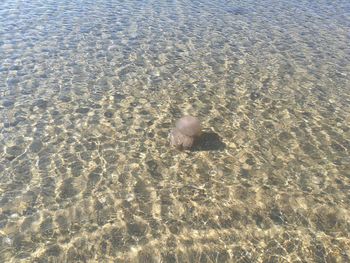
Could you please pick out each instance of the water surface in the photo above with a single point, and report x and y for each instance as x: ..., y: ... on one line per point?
x: 90, y: 89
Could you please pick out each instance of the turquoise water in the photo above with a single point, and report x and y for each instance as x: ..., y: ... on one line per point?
x: 89, y: 91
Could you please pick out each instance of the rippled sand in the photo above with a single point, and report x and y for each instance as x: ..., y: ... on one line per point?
x: 89, y: 91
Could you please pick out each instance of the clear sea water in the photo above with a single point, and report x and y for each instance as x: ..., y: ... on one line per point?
x: 89, y: 91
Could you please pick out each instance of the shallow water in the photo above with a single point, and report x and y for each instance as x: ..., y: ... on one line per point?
x: 89, y: 91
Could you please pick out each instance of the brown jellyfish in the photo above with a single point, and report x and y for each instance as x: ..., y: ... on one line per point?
x: 187, y: 129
